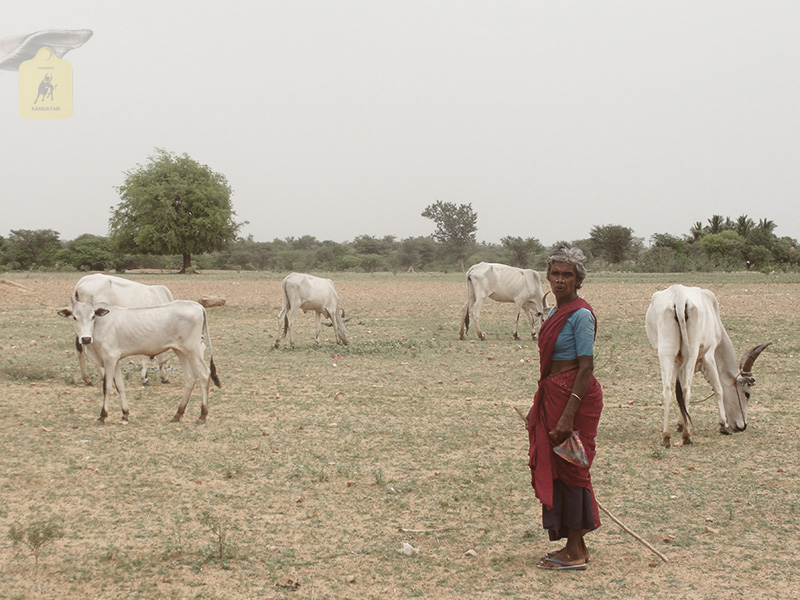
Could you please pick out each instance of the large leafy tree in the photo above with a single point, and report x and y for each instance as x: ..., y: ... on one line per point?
x: 455, y: 227
x: 615, y: 243
x: 173, y: 205
x: 34, y: 248
x: 521, y: 252
x: 88, y: 253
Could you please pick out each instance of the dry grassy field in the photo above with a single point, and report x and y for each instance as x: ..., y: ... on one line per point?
x: 318, y: 463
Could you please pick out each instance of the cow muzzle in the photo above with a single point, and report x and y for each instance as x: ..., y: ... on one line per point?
x: 86, y: 340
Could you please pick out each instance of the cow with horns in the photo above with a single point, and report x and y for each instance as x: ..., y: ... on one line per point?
x: 684, y: 326
x: 503, y: 283
x: 118, y: 291
x: 307, y: 292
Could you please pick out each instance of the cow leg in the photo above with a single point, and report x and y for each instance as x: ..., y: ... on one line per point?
x: 517, y: 310
x: 290, y: 324
x: 667, y: 366
x: 318, y: 316
x: 120, y: 383
x: 205, y: 379
x: 712, y: 376
x: 162, y: 367
x: 145, y: 364
x: 82, y: 362
x: 477, y: 314
x: 189, y: 378
x: 106, y: 390
x: 532, y: 318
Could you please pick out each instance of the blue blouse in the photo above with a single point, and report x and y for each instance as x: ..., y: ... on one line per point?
x: 576, y: 337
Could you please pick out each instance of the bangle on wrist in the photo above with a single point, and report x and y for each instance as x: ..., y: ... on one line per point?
x: 576, y: 396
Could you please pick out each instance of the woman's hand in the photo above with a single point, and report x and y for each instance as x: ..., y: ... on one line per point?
x: 563, y: 429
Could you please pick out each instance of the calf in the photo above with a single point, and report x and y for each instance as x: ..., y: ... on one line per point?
x: 110, y: 333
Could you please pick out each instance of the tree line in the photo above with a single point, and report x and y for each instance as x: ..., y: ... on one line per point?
x: 176, y: 214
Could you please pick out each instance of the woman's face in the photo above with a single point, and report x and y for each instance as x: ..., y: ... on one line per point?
x: 563, y: 280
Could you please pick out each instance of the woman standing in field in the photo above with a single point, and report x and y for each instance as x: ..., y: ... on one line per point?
x: 569, y: 399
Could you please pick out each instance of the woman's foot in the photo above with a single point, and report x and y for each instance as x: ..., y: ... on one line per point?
x: 556, y: 553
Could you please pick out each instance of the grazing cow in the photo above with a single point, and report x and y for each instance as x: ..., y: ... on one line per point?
x: 683, y: 324
x: 502, y: 283
x: 110, y: 333
x: 117, y: 291
x: 308, y: 292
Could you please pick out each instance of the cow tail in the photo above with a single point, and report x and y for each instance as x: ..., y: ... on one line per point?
x: 286, y: 308
x: 681, y: 315
x: 682, y: 403
x: 212, y: 366
x: 470, y: 296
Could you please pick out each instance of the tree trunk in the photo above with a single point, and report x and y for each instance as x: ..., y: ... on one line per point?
x: 187, y: 263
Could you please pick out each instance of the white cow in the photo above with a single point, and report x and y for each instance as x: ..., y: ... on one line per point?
x: 110, y: 333
x: 683, y: 324
x: 118, y: 291
x: 503, y: 283
x: 308, y: 292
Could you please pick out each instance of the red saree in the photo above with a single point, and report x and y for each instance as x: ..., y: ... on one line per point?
x: 548, y: 405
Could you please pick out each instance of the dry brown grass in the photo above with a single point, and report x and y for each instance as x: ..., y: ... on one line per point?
x: 317, y: 463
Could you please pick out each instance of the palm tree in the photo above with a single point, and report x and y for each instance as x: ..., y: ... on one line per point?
x: 744, y: 225
x: 716, y: 224
x: 766, y: 225
x: 697, y: 231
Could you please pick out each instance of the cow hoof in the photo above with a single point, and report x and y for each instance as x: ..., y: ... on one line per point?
x: 666, y: 442
x: 724, y: 430
x: 176, y: 418
x: 687, y: 441
x: 100, y: 421
x: 200, y: 421
x: 166, y: 380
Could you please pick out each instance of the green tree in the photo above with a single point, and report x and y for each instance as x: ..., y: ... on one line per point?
x: 744, y: 225
x: 697, y: 231
x: 521, y: 251
x: 614, y: 243
x: 725, y: 248
x: 33, y: 248
x: 88, y: 253
x: 716, y: 224
x: 173, y: 205
x: 665, y: 240
x: 455, y: 227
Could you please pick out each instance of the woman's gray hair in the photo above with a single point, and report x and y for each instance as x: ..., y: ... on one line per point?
x: 566, y: 253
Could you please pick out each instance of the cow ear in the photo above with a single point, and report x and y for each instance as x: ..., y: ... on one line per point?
x: 101, y: 312
x: 64, y: 312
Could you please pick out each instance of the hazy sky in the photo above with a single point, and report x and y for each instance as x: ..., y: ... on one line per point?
x: 343, y: 118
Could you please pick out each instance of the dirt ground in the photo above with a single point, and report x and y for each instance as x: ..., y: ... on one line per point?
x: 324, y: 460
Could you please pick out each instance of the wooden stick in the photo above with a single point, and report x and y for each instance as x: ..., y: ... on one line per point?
x: 625, y: 528
x: 631, y: 533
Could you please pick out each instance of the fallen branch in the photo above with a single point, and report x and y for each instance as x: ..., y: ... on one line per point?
x: 19, y: 285
x: 404, y: 530
x: 625, y: 528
